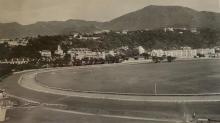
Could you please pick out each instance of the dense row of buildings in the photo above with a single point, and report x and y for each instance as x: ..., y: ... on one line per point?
x: 187, y: 52
x: 75, y: 53
x: 82, y: 53
x: 15, y: 42
x: 15, y: 61
x: 184, y: 52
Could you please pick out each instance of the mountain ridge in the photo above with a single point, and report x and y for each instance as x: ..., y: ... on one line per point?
x: 149, y: 17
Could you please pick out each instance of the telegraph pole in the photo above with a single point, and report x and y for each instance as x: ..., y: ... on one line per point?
x: 155, y: 88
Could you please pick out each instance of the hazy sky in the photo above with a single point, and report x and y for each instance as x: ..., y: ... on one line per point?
x: 30, y: 11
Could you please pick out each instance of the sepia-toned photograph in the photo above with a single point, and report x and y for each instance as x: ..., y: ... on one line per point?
x: 110, y: 61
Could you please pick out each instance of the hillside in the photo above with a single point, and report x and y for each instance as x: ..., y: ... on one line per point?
x: 12, y: 30
x: 150, y: 17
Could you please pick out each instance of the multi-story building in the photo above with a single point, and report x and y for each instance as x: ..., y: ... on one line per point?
x: 80, y: 53
x: 187, y: 53
x: 206, y: 52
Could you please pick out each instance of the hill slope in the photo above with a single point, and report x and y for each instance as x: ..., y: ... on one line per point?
x: 13, y: 30
x: 150, y: 17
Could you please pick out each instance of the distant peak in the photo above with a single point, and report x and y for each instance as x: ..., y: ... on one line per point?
x: 164, y: 6
x: 169, y: 8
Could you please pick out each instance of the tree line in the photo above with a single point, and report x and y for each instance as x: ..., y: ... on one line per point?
x: 153, y: 39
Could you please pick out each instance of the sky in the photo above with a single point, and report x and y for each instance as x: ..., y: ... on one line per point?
x: 31, y: 11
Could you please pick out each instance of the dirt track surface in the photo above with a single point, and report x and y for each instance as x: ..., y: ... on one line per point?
x: 164, y: 107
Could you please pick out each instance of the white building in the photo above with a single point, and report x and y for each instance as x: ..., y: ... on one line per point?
x: 158, y: 53
x: 14, y: 42
x: 102, y: 31
x: 101, y: 55
x: 59, y: 51
x: 189, y: 53
x: 193, y: 30
x: 141, y: 50
x: 206, y: 52
x: 124, y: 32
x: 112, y: 52
x: 80, y: 53
x: 168, y: 29
x: 15, y: 61
x: 4, y: 40
x: 88, y: 38
x: 46, y: 53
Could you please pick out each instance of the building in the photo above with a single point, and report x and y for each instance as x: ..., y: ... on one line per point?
x: 193, y: 30
x: 206, y: 52
x: 184, y: 53
x: 46, y: 53
x: 185, y: 48
x: 15, y: 61
x: 102, y: 31
x: 187, y: 52
x: 217, y: 51
x: 101, y: 55
x: 80, y: 53
x: 15, y: 42
x: 111, y: 52
x: 59, y: 51
x: 120, y: 50
x: 4, y: 41
x: 22, y: 42
x: 124, y: 32
x: 141, y: 50
x: 88, y: 37
x: 168, y: 29
x: 158, y: 53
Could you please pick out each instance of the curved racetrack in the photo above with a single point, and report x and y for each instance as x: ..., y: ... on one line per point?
x: 196, y: 83
x: 181, y: 77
